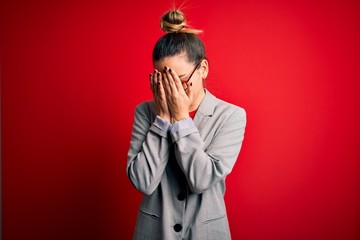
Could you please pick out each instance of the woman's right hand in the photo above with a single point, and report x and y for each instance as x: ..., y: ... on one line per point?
x: 157, y: 89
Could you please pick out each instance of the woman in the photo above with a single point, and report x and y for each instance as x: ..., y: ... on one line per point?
x: 184, y: 143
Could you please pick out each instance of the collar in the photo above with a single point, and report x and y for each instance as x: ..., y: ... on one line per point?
x: 208, y: 104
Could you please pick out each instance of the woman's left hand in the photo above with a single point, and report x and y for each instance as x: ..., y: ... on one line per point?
x: 177, y: 98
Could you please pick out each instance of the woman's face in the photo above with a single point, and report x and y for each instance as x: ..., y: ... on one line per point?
x: 184, y: 69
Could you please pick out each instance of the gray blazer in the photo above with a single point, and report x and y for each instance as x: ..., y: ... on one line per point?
x: 181, y: 169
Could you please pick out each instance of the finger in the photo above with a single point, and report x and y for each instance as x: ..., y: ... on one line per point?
x: 166, y: 83
x: 176, y: 80
x: 170, y: 80
x: 159, y: 85
x: 151, y: 81
x: 156, y: 77
x: 155, y: 84
x: 161, y: 91
x: 189, y: 91
x: 163, y: 103
x: 184, y: 85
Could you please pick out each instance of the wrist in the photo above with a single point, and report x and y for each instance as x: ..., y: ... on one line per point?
x: 165, y: 117
x: 181, y: 117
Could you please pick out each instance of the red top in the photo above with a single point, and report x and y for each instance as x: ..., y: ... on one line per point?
x: 192, y: 114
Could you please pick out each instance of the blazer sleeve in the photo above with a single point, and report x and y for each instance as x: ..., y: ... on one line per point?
x: 204, y: 168
x: 149, y: 150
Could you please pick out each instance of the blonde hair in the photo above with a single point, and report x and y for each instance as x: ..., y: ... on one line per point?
x: 174, y: 21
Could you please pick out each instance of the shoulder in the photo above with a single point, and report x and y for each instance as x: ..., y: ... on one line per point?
x: 145, y: 110
x: 145, y: 107
x: 227, y: 109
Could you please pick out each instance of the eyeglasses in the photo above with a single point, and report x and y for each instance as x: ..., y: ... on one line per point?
x: 196, y: 67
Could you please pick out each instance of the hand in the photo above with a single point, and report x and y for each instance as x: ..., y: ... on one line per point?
x: 157, y: 89
x: 178, y: 99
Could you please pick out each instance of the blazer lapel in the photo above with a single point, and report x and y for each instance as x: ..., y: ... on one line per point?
x: 205, y: 110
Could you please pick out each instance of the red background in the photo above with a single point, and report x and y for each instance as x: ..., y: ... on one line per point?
x: 72, y: 73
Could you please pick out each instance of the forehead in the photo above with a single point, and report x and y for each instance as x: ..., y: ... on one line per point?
x: 178, y: 62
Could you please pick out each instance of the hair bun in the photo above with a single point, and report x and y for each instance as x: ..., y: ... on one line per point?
x: 174, y: 21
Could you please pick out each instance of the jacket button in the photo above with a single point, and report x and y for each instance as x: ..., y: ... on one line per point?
x: 177, y: 228
x: 181, y: 196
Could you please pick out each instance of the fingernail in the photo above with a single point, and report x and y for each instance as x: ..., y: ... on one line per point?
x: 164, y: 71
x: 150, y: 75
x: 170, y: 70
x: 165, y: 68
x: 158, y: 74
x: 190, y: 84
x: 159, y: 83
